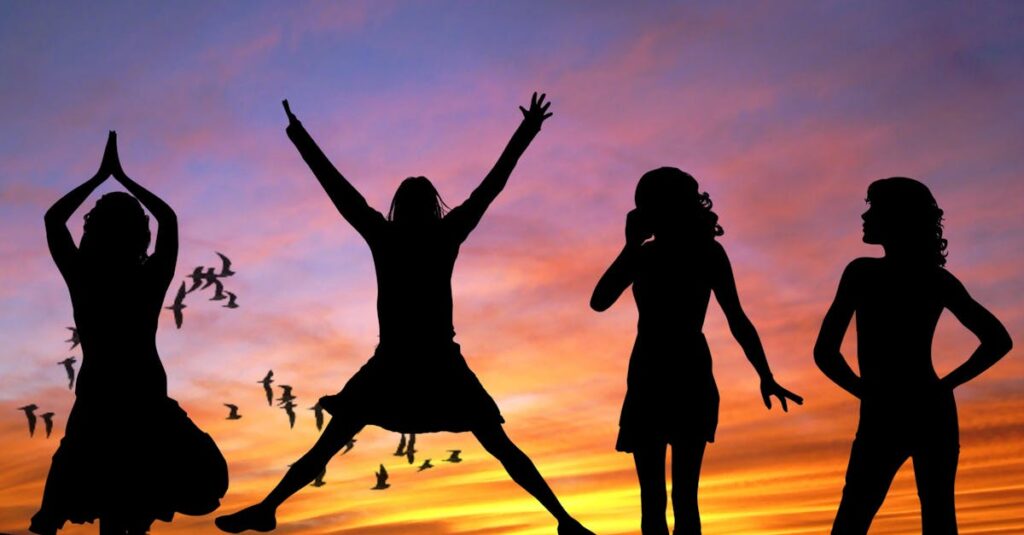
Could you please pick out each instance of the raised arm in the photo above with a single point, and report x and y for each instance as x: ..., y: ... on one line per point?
x: 165, y: 250
x: 724, y: 285
x: 995, y: 340
x: 830, y: 338
x: 620, y: 274
x: 349, y: 202
x: 466, y: 216
x: 58, y: 238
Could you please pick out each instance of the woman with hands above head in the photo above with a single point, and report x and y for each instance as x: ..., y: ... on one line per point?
x: 674, y: 263
x: 906, y: 410
x: 417, y: 381
x: 130, y: 455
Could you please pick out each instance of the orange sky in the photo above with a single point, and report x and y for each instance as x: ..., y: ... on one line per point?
x: 783, y: 114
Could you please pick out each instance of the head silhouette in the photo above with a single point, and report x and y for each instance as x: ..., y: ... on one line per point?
x: 116, y: 231
x: 671, y: 204
x: 416, y: 201
x: 904, y: 218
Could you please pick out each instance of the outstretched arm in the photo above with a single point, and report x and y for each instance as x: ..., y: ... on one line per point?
x: 620, y: 274
x: 745, y: 333
x: 830, y: 338
x: 349, y: 202
x: 468, y: 214
x: 58, y: 238
x: 995, y: 340
x: 165, y: 250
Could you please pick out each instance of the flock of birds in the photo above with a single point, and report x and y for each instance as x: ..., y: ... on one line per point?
x: 202, y: 278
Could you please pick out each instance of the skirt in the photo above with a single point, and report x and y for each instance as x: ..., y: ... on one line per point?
x: 135, y: 462
x: 671, y: 395
x: 416, y: 388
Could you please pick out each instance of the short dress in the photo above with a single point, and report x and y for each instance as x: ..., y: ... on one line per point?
x: 671, y: 395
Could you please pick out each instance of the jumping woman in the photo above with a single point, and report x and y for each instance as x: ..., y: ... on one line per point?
x: 417, y: 380
x: 906, y: 410
x: 130, y: 455
x: 671, y: 396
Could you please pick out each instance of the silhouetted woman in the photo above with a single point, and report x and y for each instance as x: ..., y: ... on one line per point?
x: 671, y: 396
x: 130, y: 455
x: 417, y: 380
x: 906, y: 410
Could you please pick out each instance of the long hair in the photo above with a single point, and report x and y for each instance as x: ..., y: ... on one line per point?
x: 416, y: 199
x: 116, y: 228
x: 669, y: 193
x: 910, y: 209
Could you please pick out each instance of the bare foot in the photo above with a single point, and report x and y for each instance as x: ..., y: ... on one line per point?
x: 256, y: 518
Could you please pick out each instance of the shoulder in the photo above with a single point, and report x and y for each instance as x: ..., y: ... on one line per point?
x: 861, y: 266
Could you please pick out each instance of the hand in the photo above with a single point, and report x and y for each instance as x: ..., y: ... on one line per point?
x: 538, y: 110
x: 111, y: 164
x: 288, y: 110
x: 637, y: 229
x: 770, y: 388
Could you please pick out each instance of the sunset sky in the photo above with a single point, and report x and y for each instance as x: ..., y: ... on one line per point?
x: 783, y: 111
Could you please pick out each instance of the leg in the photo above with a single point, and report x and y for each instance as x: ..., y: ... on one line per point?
x: 260, y: 517
x: 523, y: 472
x: 935, y: 471
x: 873, y: 464
x: 686, y: 461
x: 650, y: 470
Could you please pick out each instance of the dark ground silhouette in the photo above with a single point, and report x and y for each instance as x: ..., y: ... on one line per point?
x: 672, y: 397
x: 906, y: 410
x: 417, y: 380
x: 130, y: 455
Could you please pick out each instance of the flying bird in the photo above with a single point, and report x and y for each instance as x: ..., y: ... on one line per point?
x: 30, y: 414
x: 382, y: 478
x: 69, y: 367
x: 231, y: 300
x: 318, y: 412
x: 234, y: 412
x: 286, y: 395
x: 74, y: 341
x: 48, y: 422
x: 319, y: 481
x: 210, y: 277
x: 401, y: 447
x: 219, y: 294
x: 410, y: 450
x: 454, y: 457
x: 179, y: 304
x: 266, y: 387
x: 349, y: 445
x: 197, y: 278
x: 288, y: 406
x: 425, y: 466
x: 225, y: 267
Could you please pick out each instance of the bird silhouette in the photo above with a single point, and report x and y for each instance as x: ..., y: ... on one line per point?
x: 454, y: 457
x: 30, y: 414
x: 319, y: 481
x: 218, y: 294
x: 269, y: 378
x: 225, y: 267
x: 210, y: 277
x: 69, y: 367
x: 318, y: 412
x: 382, y: 478
x: 425, y: 466
x: 48, y: 422
x: 179, y: 304
x: 410, y: 450
x: 197, y: 278
x: 349, y: 445
x: 74, y: 338
x: 286, y: 394
x: 233, y: 415
x: 231, y: 301
x: 401, y: 447
x: 288, y: 407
